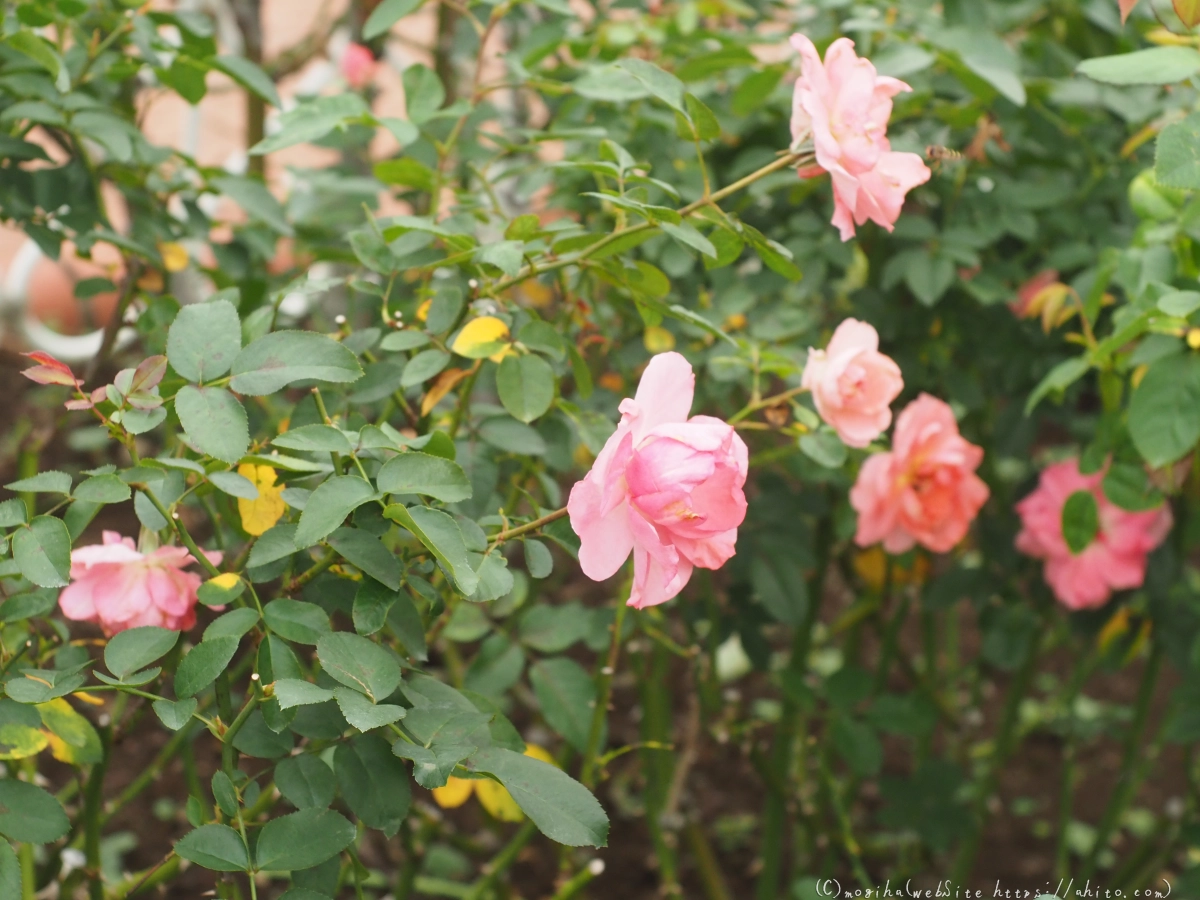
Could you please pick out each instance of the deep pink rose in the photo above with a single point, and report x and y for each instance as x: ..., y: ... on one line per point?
x: 844, y: 104
x: 925, y: 491
x: 115, y: 586
x: 358, y: 66
x: 667, y: 487
x: 1115, y: 560
x: 853, y: 384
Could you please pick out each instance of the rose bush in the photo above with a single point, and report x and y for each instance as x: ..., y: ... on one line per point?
x: 329, y: 532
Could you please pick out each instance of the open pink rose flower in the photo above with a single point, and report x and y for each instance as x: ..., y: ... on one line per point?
x: 1114, y: 560
x: 666, y: 487
x: 853, y: 384
x: 925, y: 490
x: 358, y: 66
x: 844, y: 104
x: 115, y: 586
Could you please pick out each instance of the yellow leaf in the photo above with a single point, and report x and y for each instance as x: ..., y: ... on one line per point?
x: 496, y: 799
x: 19, y: 741
x: 481, y: 337
x: 72, y: 738
x: 541, y: 753
x: 175, y: 256
x: 454, y: 794
x: 89, y: 699
x: 1114, y: 628
x: 261, y: 514
x: 226, y: 581
x: 658, y: 340
x: 441, y: 387
x: 423, y: 310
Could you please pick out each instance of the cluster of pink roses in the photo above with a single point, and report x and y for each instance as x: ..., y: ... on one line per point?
x: 843, y: 104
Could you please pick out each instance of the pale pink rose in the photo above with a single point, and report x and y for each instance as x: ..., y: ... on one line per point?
x: 358, y: 66
x: 844, y: 104
x: 666, y: 487
x: 853, y: 384
x: 925, y: 490
x: 115, y: 586
x: 1115, y: 560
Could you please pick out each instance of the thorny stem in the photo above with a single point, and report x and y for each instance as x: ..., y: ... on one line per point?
x: 604, y: 679
x: 501, y: 862
x: 509, y: 533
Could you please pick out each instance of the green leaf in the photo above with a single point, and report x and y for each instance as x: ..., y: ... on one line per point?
x: 562, y: 808
x: 43, y: 685
x: 504, y: 255
x: 374, y: 783
x: 10, y: 871
x: 1157, y: 65
x: 824, y: 448
x: 566, y: 694
x: 367, y: 552
x: 314, y: 439
x: 424, y: 366
x: 328, y: 506
x: 42, y: 551
x: 442, y: 537
x: 214, y: 422
x: 305, y: 781
x: 1059, y: 378
x: 281, y: 358
x: 103, y: 489
x: 13, y: 512
x: 372, y: 601
x: 203, y: 664
x: 552, y: 629
x: 387, y: 14
x: 254, y: 197
x: 364, y: 715
x: 526, y: 386
x: 204, y: 339
x: 295, y: 692
x: 132, y: 650
x: 687, y: 235
x: 507, y: 434
x: 42, y: 53
x: 359, y: 663
x: 302, y: 840
x: 30, y: 815
x: 989, y: 57
x: 51, y: 482
x: 1128, y: 486
x: 1080, y: 521
x: 663, y: 85
x: 296, y: 620
x: 175, y: 714
x: 234, y: 623
x: 216, y: 847
x: 406, y: 624
x: 312, y: 120
x: 423, y: 93
x: 1164, y: 411
x: 420, y: 473
x: 278, y: 543
x: 1177, y: 156
x: 857, y: 743
x: 249, y: 76
x: 1180, y: 303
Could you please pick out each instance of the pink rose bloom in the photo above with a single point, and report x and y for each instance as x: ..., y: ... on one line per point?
x: 925, y: 491
x: 115, y: 586
x: 358, y: 66
x: 666, y: 487
x: 1115, y: 560
x: 844, y: 104
x: 853, y: 384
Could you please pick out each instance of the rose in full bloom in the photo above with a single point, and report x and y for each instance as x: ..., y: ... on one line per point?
x: 117, y: 587
x: 853, y: 384
x: 1116, y: 557
x: 844, y: 104
x: 358, y: 66
x: 925, y: 490
x: 665, y: 487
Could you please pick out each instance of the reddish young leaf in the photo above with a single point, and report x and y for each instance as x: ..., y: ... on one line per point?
x: 50, y: 370
x: 1126, y: 8
x: 1188, y: 12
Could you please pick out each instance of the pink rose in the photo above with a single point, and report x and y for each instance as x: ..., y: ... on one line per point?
x: 925, y: 491
x: 667, y: 487
x: 1115, y: 560
x: 853, y: 384
x: 358, y: 66
x: 844, y: 104
x: 115, y: 586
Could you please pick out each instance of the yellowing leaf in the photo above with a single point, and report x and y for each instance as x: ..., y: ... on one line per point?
x: 658, y: 340
x: 89, y: 699
x: 1114, y: 628
x: 175, y: 256
x: 454, y: 793
x: 541, y: 753
x: 485, y: 336
x: 441, y: 387
x: 261, y: 514
x: 19, y: 741
x: 496, y: 799
x: 226, y: 581
x: 423, y: 310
